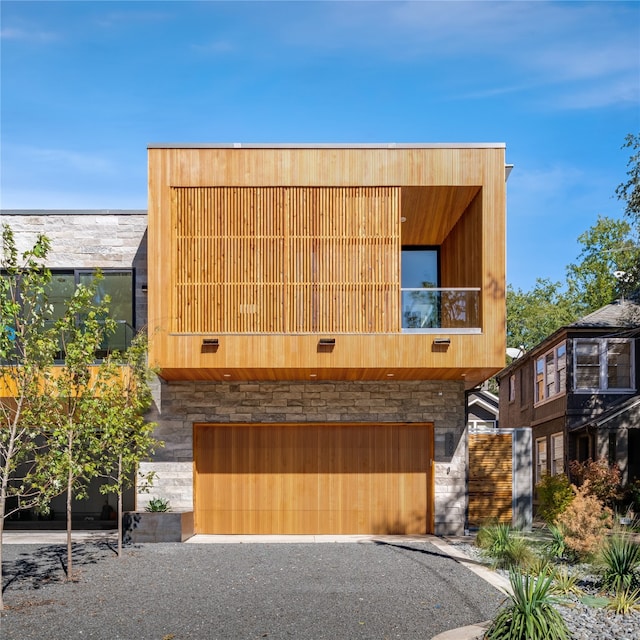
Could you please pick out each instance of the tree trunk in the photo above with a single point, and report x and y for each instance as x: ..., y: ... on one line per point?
x: 3, y: 502
x: 69, y: 496
x: 120, y: 506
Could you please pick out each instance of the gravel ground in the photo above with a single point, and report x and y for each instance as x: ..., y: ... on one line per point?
x: 337, y: 591
x: 584, y: 622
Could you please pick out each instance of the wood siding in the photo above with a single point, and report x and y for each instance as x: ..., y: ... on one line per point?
x: 490, y: 478
x: 269, y: 249
x: 286, y: 260
x: 313, y: 478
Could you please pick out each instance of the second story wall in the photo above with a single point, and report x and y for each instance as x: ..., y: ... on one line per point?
x: 264, y: 250
x: 90, y: 239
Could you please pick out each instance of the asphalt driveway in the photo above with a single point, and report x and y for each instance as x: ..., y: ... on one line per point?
x: 392, y: 588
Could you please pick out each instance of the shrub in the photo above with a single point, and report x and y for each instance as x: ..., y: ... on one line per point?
x: 494, y: 538
x: 554, y: 495
x: 603, y: 480
x: 621, y: 558
x: 541, y: 567
x: 158, y: 505
x: 503, y: 547
x: 585, y: 522
x: 632, y: 496
x: 556, y: 547
x: 531, y: 614
x: 625, y: 601
x: 565, y: 583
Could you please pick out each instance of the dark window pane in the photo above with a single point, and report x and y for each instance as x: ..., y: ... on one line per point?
x: 619, y: 365
x: 419, y: 268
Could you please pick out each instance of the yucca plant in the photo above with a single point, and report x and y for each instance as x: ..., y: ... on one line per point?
x: 504, y: 548
x: 541, y: 567
x: 556, y: 547
x: 625, y: 601
x: 531, y: 614
x: 565, y: 583
x: 621, y: 558
x: 494, y: 538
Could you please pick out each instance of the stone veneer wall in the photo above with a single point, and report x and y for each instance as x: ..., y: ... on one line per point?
x: 108, y: 239
x: 179, y: 404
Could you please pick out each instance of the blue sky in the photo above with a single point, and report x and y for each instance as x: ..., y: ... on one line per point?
x: 85, y: 86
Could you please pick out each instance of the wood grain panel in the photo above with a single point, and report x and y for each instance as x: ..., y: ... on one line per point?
x: 313, y: 478
x: 490, y: 478
x: 274, y: 260
x: 289, y: 279
x: 430, y: 213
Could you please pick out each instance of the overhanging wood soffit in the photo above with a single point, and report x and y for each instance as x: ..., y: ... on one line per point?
x: 430, y: 213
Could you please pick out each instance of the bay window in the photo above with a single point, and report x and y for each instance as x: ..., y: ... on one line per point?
x: 603, y: 364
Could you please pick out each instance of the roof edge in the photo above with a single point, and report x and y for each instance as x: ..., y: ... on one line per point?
x: 327, y: 145
x: 73, y: 212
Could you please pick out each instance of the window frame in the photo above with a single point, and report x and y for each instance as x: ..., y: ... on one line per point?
x: 557, y: 462
x: 79, y: 274
x: 603, y: 365
x: 512, y: 387
x: 541, y: 375
x: 541, y: 470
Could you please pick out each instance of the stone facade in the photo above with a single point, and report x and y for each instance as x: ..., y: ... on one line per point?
x: 108, y: 239
x: 178, y: 405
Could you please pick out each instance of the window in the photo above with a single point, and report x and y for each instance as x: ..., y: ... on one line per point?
x: 541, y: 459
x: 118, y: 285
x: 512, y: 387
x: 551, y: 373
x: 419, y: 274
x: 557, y: 454
x: 603, y: 364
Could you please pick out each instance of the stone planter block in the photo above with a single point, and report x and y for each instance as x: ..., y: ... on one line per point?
x: 149, y: 526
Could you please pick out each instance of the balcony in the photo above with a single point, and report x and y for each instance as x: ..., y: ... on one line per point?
x: 428, y: 310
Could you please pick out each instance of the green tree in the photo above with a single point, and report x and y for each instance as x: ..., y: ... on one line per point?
x: 629, y: 191
x: 607, y: 267
x: 534, y: 315
x: 28, y: 345
x: 74, y: 440
x: 126, y: 437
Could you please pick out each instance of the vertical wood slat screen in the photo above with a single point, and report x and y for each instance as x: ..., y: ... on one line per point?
x: 490, y: 478
x: 286, y: 259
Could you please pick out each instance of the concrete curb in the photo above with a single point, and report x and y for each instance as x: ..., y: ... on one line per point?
x: 472, y: 632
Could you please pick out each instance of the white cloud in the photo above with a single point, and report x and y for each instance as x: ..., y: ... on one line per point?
x: 215, y: 47
x: 61, y: 159
x: 29, y: 35
x: 527, y: 45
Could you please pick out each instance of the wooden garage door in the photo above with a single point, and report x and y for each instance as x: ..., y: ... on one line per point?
x: 490, y: 478
x: 313, y: 478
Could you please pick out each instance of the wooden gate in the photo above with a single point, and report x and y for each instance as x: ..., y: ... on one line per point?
x: 490, y: 478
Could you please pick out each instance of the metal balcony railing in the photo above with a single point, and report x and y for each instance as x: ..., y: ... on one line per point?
x: 437, y: 308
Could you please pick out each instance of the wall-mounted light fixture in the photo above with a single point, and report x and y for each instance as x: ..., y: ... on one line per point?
x: 326, y: 344
x: 442, y: 341
x: 210, y: 345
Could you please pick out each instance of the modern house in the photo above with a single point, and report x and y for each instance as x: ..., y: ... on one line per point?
x: 316, y: 314
x: 578, y: 391
x: 82, y: 241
